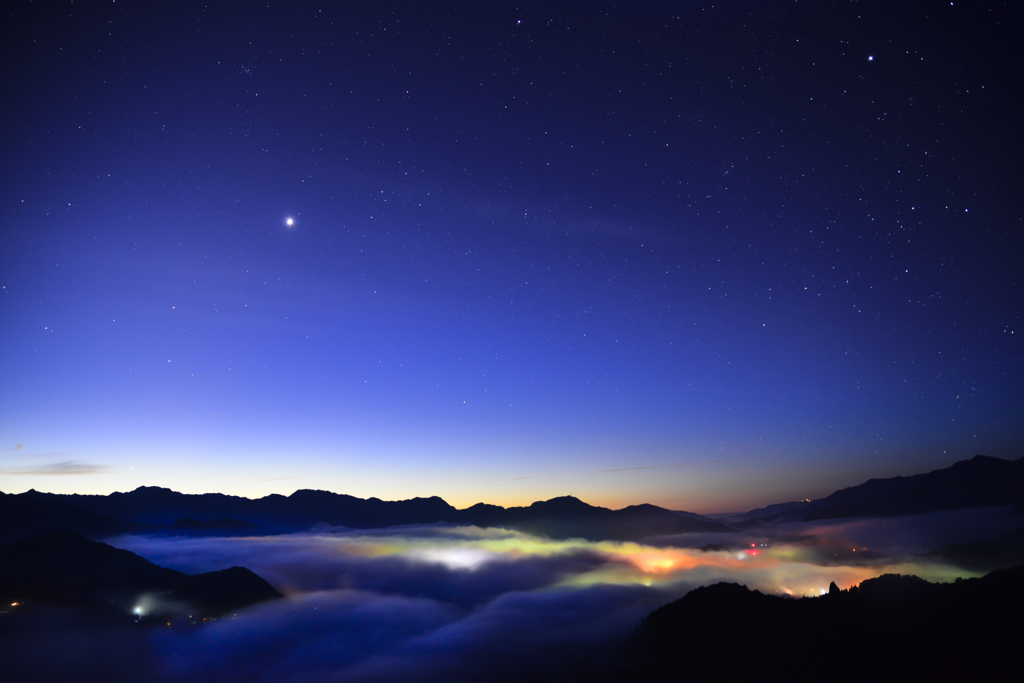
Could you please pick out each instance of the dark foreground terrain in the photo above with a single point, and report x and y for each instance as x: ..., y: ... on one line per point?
x: 889, y: 628
x: 62, y: 569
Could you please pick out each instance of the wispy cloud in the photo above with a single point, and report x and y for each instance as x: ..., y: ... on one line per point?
x: 16, y: 447
x: 67, y: 467
x: 657, y: 467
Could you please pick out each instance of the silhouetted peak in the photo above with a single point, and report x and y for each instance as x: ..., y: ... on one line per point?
x: 895, y: 587
x: 311, y: 494
x: 432, y: 499
x: 646, y: 507
x: 436, y: 503
x: 317, y: 494
x: 984, y: 461
x: 150, y: 492
x: 725, y: 594
x: 480, y: 507
x: 563, y: 503
x: 833, y: 589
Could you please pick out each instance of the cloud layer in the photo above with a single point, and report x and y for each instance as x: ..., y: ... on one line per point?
x: 436, y: 603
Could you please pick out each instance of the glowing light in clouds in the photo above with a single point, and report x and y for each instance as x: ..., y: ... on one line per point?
x: 456, y: 558
x: 792, y: 568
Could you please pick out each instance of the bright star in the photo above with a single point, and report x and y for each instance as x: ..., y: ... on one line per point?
x: 289, y: 221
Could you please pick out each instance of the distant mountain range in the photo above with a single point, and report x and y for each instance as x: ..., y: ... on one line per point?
x: 979, y: 482
x: 63, y: 568
x: 152, y: 510
x: 982, y: 481
x: 889, y: 628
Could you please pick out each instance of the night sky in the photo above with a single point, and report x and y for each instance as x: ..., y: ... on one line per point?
x: 702, y: 256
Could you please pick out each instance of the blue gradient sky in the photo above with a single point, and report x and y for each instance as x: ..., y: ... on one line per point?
x: 672, y: 253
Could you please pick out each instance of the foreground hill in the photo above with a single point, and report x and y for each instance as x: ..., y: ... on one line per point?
x: 162, y: 511
x: 887, y: 628
x: 63, y: 568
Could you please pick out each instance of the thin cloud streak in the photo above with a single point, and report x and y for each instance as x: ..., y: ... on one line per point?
x: 59, y: 469
x: 657, y: 467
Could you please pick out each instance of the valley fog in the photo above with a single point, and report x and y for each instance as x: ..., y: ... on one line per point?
x: 449, y: 603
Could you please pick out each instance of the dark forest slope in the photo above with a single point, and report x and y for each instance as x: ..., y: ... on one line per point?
x: 888, y: 628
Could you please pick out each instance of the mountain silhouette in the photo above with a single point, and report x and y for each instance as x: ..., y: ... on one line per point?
x: 982, y: 481
x: 154, y: 505
x: 979, y: 482
x: 63, y: 568
x: 154, y: 510
x: 31, y: 513
x: 887, y: 628
x: 569, y: 517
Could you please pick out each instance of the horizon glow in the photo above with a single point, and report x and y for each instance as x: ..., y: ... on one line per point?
x: 618, y: 252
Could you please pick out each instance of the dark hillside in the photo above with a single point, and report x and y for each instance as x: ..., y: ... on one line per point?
x: 63, y: 568
x: 887, y: 628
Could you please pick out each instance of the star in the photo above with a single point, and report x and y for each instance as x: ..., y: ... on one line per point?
x: 289, y: 221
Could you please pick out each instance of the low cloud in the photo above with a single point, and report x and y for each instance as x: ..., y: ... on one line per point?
x: 435, y: 563
x: 551, y: 635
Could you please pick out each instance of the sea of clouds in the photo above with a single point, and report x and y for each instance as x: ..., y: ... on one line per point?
x: 442, y: 603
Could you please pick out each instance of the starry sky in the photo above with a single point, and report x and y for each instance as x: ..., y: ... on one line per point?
x: 707, y: 256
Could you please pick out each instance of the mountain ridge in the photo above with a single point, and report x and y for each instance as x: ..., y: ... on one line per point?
x: 157, y: 510
x: 981, y: 481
